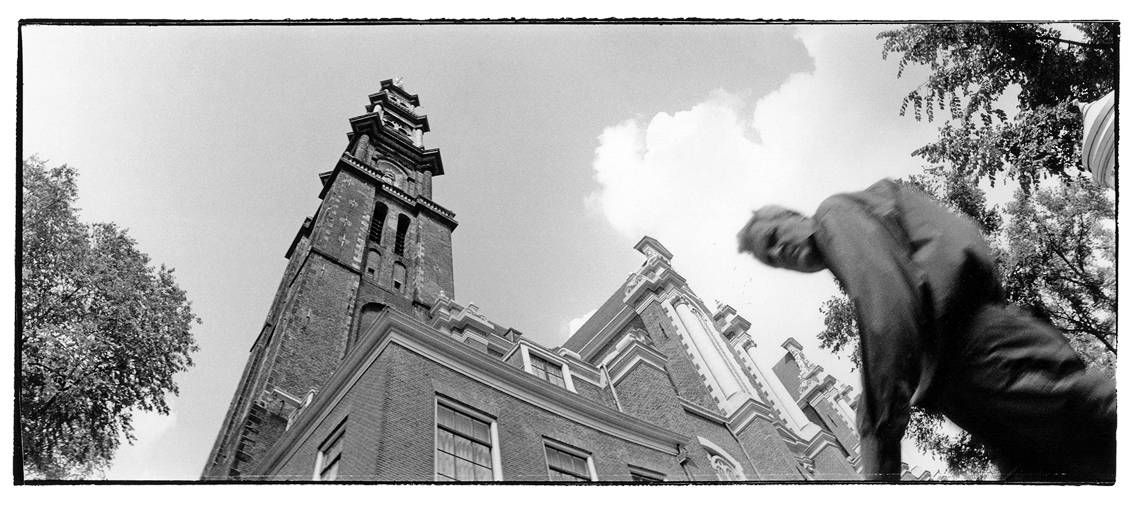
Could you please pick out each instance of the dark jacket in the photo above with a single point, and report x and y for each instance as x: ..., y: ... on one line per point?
x: 916, y: 273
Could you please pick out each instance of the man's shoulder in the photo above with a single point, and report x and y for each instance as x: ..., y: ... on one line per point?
x: 883, y: 192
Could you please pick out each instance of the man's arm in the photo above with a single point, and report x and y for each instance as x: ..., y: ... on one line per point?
x: 870, y: 256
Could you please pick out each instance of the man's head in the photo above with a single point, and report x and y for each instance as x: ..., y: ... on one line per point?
x: 780, y: 237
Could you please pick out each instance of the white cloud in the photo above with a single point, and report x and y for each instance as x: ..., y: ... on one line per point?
x: 576, y: 323
x: 690, y: 178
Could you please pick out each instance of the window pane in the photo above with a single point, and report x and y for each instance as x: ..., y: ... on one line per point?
x: 448, y: 442
x: 580, y: 466
x: 483, y: 474
x: 329, y: 473
x: 482, y: 431
x: 482, y: 455
x: 333, y: 450
x: 557, y: 380
x: 462, y: 424
x: 446, y: 417
x: 446, y: 464
x: 439, y: 456
x: 557, y: 459
x: 463, y: 448
x: 464, y: 470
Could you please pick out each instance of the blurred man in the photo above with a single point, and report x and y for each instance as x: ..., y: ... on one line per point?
x: 935, y: 332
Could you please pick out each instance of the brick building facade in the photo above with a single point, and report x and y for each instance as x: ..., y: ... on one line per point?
x: 367, y: 370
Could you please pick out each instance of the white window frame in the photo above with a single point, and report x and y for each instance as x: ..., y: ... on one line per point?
x: 549, y: 357
x: 496, y: 459
x: 646, y: 473
x: 337, y: 434
x: 578, y: 452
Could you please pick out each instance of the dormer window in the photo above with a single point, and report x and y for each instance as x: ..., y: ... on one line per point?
x: 547, y: 370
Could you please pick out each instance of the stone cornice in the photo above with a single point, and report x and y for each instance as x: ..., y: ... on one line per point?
x: 390, y: 85
x: 698, y: 410
x: 629, y: 353
x: 417, y: 203
x: 594, y: 345
x: 423, y: 158
x: 747, y: 411
x: 649, y: 246
x: 393, y: 328
x: 817, y: 390
x: 820, y: 442
x: 417, y: 120
x: 637, y: 296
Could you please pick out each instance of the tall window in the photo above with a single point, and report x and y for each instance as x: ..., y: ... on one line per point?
x: 463, y: 446
x: 399, y: 273
x: 564, y: 465
x: 401, y: 233
x: 376, y: 229
x: 372, y: 265
x: 547, y: 370
x: 328, y: 458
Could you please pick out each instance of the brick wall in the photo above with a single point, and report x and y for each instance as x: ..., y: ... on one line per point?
x: 834, y: 423
x: 342, y: 221
x: 789, y: 373
x: 830, y: 464
x: 316, y: 324
x: 433, y: 272
x: 667, y: 339
x: 767, y: 451
x: 600, y: 395
x: 390, y: 428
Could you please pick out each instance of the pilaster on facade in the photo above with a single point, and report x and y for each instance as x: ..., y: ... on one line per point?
x: 786, y: 403
x: 710, y: 353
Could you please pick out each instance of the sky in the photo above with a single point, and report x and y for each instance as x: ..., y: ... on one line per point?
x: 562, y: 146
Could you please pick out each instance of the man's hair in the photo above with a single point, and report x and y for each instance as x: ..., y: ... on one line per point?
x: 767, y: 218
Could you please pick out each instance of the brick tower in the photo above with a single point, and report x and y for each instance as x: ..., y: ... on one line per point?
x: 376, y: 242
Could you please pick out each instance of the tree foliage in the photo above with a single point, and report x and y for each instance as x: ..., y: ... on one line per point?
x: 102, y: 331
x: 1059, y: 262
x: 1054, y: 242
x: 972, y: 66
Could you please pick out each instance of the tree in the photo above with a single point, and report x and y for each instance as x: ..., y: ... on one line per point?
x: 1053, y: 243
x: 979, y: 63
x: 102, y: 331
x: 1059, y: 262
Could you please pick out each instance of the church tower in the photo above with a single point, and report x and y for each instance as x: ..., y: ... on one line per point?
x: 377, y: 241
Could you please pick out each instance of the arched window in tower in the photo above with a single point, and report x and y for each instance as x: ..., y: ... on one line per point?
x: 399, y: 273
x: 401, y: 234
x: 376, y: 229
x: 372, y: 266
